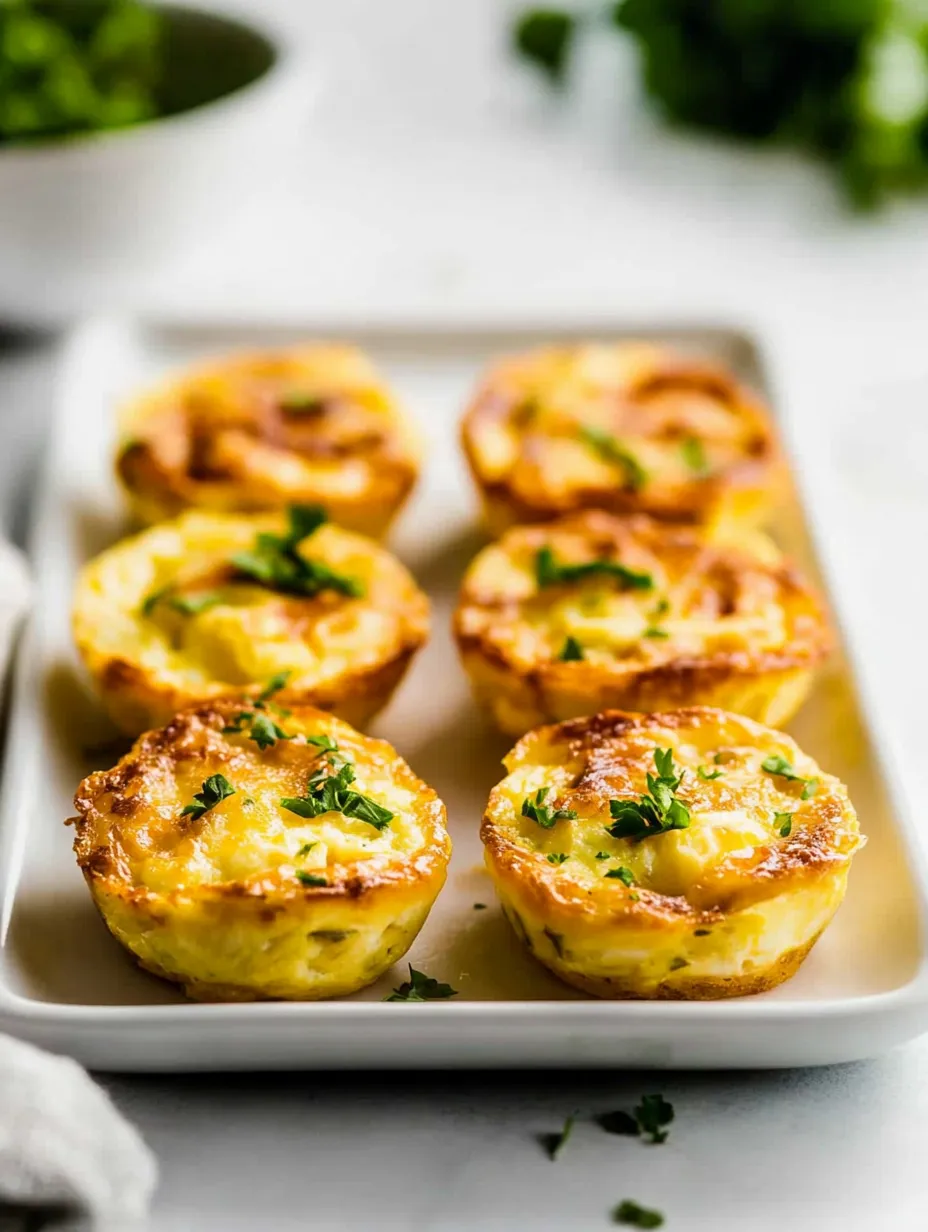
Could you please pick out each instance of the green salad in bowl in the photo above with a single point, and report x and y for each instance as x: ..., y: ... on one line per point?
x: 79, y: 66
x: 71, y: 67
x: 130, y: 131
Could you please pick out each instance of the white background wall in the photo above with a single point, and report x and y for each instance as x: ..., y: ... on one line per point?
x: 437, y: 169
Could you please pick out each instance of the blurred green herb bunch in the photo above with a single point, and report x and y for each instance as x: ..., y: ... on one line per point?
x: 71, y: 66
x: 846, y: 79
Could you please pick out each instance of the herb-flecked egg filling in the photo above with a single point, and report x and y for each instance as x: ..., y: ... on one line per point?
x: 310, y: 424
x: 686, y: 854
x: 249, y: 849
x: 595, y: 612
x: 629, y: 427
x: 211, y: 604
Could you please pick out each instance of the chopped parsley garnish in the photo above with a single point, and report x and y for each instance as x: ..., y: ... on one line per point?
x: 306, y: 849
x: 555, y: 1143
x: 652, y: 1114
x: 708, y: 775
x: 300, y: 400
x: 775, y: 764
x: 637, y: 1216
x: 557, y: 857
x: 718, y: 759
x: 311, y: 879
x: 611, y: 450
x: 323, y: 743
x: 191, y: 605
x: 275, y: 562
x: 238, y: 723
x: 549, y: 571
x: 214, y: 790
x: 654, y: 813
x: 545, y: 36
x: 421, y: 987
x: 151, y: 601
x: 694, y: 455
x: 188, y: 605
x: 647, y: 1120
x: 661, y: 608
x: 623, y: 874
x: 571, y: 651
x: 333, y: 793
x: 603, y: 855
x: 784, y: 823
x: 277, y: 682
x: 542, y: 813
x: 264, y: 731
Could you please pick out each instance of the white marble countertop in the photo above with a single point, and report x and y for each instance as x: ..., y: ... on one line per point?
x: 439, y: 178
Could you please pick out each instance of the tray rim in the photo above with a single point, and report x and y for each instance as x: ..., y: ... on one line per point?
x: 907, y: 1002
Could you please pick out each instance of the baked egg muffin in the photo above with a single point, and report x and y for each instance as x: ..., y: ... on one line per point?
x: 627, y: 426
x: 245, y: 862
x: 597, y: 612
x: 214, y: 604
x: 312, y: 424
x: 692, y: 854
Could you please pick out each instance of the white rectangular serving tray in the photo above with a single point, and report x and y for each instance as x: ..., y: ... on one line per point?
x: 65, y: 984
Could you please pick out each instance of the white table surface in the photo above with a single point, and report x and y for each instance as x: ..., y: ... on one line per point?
x: 438, y: 177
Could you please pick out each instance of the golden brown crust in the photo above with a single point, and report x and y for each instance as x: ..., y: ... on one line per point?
x: 728, y: 623
x: 135, y: 703
x: 725, y: 906
x: 523, y: 435
x: 158, y: 876
x: 344, y: 653
x: 312, y: 424
x: 611, y: 988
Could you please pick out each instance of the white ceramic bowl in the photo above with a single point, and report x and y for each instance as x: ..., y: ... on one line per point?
x: 98, y: 210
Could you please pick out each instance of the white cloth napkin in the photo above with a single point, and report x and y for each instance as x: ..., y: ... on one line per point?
x: 65, y: 1149
x: 67, y: 1157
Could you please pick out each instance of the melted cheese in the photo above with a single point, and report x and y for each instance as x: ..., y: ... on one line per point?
x: 250, y: 835
x: 526, y: 428
x: 250, y: 900
x: 277, y: 425
x: 726, y: 906
x: 731, y: 816
x: 250, y: 633
x: 707, y: 596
